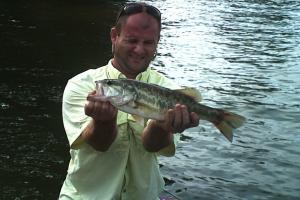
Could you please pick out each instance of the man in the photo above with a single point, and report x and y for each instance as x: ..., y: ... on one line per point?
x: 114, y: 155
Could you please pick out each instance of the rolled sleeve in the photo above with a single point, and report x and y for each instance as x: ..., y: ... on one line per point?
x: 74, y: 118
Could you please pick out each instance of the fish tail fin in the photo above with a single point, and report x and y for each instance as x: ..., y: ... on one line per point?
x: 229, y: 122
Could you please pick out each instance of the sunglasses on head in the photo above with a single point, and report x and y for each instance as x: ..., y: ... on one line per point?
x: 134, y: 8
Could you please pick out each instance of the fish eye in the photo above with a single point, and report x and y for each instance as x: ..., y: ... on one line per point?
x: 109, y: 82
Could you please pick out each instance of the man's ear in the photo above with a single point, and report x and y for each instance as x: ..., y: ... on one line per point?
x: 113, y: 34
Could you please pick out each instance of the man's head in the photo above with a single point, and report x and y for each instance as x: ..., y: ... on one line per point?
x: 135, y: 38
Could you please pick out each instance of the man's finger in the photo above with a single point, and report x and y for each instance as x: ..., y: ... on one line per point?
x: 177, y: 121
x: 194, y: 119
x: 166, y: 124
x: 185, y: 117
x: 96, y: 98
x: 88, y: 108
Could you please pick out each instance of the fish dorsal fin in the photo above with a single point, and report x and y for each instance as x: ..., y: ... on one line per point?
x: 191, y: 92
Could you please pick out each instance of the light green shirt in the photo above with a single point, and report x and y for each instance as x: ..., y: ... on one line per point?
x: 126, y: 170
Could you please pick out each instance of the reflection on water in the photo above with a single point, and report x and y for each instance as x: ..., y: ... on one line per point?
x: 242, y: 55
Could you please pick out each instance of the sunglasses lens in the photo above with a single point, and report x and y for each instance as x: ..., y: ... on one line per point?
x: 134, y: 8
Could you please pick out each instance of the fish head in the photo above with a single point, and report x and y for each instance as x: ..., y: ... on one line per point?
x: 109, y: 88
x: 116, y: 90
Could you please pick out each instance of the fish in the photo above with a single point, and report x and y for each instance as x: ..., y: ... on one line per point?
x: 151, y: 101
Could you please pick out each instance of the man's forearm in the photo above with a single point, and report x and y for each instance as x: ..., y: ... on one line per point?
x: 100, y: 134
x: 155, y: 138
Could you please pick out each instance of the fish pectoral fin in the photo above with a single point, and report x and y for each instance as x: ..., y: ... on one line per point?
x: 133, y: 104
x: 191, y: 92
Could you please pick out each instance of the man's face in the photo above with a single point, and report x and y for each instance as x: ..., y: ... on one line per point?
x: 135, y: 45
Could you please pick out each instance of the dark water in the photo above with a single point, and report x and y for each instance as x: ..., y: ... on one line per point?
x: 43, y: 44
x: 242, y: 55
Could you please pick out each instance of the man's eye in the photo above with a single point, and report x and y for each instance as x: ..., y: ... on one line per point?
x: 149, y: 42
x: 131, y: 41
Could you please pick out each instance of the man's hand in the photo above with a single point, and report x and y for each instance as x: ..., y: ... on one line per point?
x: 178, y: 119
x: 102, y: 130
x: 159, y: 134
x: 100, y: 109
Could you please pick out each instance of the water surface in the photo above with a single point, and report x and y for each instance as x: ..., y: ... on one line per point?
x: 243, y: 56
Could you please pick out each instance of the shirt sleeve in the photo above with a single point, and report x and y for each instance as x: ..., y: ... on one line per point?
x: 74, y: 118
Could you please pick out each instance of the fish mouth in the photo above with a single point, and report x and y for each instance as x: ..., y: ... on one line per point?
x: 99, y: 88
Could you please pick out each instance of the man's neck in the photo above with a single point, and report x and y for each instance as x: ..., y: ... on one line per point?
x: 116, y: 65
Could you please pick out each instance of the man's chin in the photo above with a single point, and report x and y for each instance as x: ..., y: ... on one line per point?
x: 138, y: 65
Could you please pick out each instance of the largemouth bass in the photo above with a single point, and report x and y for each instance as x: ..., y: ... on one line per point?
x: 152, y: 101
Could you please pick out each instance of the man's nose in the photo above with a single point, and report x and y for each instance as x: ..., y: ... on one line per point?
x: 139, y: 48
